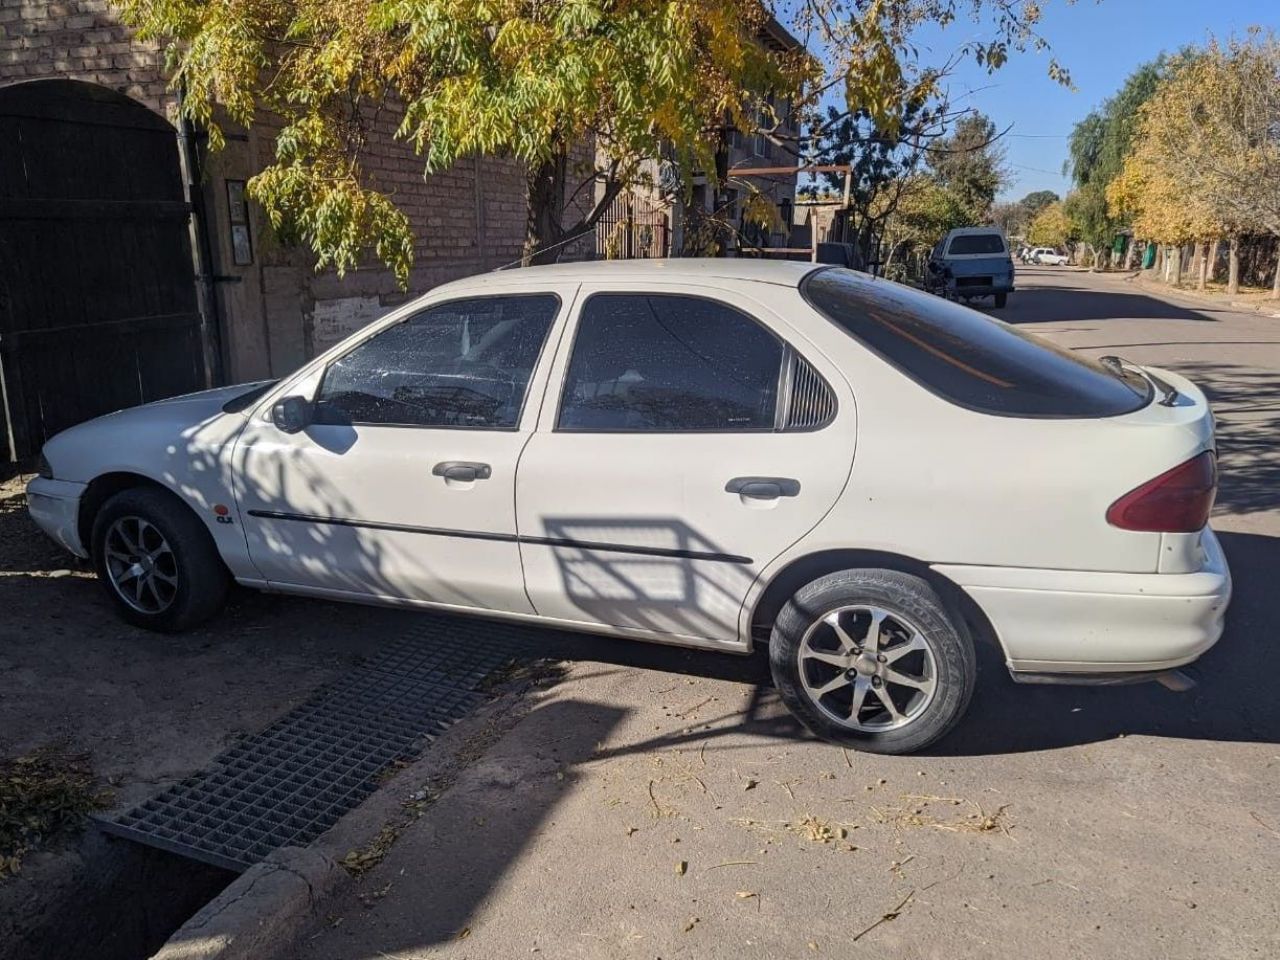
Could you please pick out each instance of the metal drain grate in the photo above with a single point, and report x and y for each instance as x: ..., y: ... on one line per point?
x: 291, y: 782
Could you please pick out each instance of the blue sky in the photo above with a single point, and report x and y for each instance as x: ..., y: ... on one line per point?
x: 1100, y: 42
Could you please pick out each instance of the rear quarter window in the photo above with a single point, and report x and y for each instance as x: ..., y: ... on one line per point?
x: 971, y: 243
x: 968, y: 358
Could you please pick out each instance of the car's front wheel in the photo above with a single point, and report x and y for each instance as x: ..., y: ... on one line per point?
x: 872, y: 659
x: 157, y: 561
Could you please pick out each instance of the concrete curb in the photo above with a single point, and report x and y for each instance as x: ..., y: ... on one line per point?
x: 266, y: 905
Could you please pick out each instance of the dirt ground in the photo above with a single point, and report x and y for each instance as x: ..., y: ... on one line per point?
x: 146, y: 709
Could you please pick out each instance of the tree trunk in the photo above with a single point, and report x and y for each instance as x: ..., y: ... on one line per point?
x: 1211, y: 270
x: 1197, y: 258
x: 1175, y: 266
x: 1275, y: 283
x: 1206, y: 257
x: 1233, y: 267
x: 544, y: 203
x: 1130, y: 252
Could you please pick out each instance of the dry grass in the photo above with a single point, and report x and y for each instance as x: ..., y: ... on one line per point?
x: 919, y: 813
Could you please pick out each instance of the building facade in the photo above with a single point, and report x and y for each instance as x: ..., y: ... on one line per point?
x: 104, y: 195
x: 655, y: 220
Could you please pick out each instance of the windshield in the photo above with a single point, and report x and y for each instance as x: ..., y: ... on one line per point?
x: 966, y: 243
x: 968, y: 358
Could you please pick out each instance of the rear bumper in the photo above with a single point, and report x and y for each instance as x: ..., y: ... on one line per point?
x: 1064, y: 622
x: 982, y: 289
x: 54, y: 505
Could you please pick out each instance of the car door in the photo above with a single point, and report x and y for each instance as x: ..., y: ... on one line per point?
x: 403, y: 486
x: 688, y: 438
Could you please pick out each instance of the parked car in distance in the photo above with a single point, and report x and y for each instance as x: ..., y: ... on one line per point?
x: 971, y: 262
x: 713, y: 453
x: 1047, y: 256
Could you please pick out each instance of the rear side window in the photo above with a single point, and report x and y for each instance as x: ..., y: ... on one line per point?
x: 665, y: 363
x: 968, y: 358
x: 967, y: 243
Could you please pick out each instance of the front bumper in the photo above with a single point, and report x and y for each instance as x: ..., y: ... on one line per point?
x: 1065, y: 622
x: 54, y: 505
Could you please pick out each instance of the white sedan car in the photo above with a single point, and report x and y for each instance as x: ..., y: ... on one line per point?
x: 713, y: 453
x: 1047, y: 256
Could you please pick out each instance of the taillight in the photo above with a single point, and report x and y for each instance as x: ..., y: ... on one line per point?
x: 1177, y: 501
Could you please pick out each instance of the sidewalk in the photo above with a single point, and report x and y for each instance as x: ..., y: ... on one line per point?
x: 639, y: 813
x: 1258, y: 302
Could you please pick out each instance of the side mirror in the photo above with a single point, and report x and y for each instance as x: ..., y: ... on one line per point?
x: 291, y: 414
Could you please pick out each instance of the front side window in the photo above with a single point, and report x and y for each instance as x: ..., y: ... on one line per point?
x: 664, y: 363
x: 466, y: 363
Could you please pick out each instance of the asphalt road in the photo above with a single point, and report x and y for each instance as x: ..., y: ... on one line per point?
x: 659, y: 803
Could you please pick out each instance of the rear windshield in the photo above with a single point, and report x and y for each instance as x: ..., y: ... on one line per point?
x: 968, y: 358
x: 976, y: 243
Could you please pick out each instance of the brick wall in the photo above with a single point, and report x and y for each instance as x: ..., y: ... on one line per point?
x: 81, y: 40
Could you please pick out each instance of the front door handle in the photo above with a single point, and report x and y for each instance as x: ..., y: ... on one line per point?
x: 465, y: 471
x: 763, y: 488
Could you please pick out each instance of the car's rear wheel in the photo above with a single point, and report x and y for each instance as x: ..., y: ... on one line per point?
x: 1001, y: 299
x: 872, y: 659
x: 157, y: 561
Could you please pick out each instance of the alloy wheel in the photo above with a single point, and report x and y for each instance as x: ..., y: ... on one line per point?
x: 141, y: 565
x: 867, y: 668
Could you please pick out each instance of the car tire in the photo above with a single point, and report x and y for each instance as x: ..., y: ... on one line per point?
x: 1001, y: 300
x: 157, y: 561
x: 819, y: 676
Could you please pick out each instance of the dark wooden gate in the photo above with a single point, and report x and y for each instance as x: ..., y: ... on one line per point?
x: 98, y: 307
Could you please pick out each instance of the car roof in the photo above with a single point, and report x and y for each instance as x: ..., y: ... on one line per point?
x: 961, y: 231
x: 785, y: 273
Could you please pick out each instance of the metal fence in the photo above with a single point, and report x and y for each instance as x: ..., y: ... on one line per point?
x: 633, y: 229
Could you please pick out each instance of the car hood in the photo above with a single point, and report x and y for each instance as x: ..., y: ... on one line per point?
x: 209, y: 400
x: 147, y: 440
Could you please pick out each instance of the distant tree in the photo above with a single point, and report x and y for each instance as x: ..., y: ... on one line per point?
x: 971, y: 163
x: 882, y: 158
x: 1096, y: 153
x: 1213, y: 127
x: 1150, y: 193
x: 1037, y: 200
x: 1011, y: 217
x: 1015, y: 216
x: 925, y: 211
x: 1051, y: 227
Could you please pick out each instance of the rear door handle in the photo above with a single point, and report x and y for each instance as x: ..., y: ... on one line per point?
x: 763, y: 488
x: 463, y: 470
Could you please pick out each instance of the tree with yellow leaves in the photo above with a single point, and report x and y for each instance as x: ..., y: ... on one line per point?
x: 1051, y: 227
x: 1206, y: 159
x: 1153, y: 196
x: 533, y: 80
